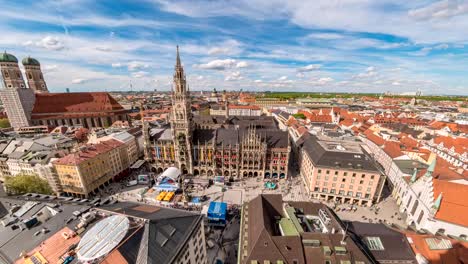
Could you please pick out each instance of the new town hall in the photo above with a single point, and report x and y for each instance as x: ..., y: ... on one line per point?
x: 231, y: 146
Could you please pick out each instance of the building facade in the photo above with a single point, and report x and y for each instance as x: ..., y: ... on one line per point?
x: 339, y: 170
x: 235, y: 147
x: 83, y: 172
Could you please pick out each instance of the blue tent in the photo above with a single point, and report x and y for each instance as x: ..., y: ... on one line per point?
x: 217, y: 212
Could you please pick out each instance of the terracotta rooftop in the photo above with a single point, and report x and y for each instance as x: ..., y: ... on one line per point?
x: 459, y: 144
x: 374, y: 138
x: 52, y: 248
x: 453, y: 209
x: 89, y: 152
x: 457, y: 254
x: 252, y: 107
x: 393, y: 149
x: 79, y: 103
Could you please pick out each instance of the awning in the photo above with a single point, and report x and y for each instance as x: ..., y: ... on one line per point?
x: 137, y: 164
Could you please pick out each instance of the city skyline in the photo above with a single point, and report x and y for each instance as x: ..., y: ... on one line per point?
x: 358, y: 46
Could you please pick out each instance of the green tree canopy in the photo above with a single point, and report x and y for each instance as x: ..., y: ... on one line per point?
x: 300, y: 116
x: 23, y: 183
x: 4, y: 123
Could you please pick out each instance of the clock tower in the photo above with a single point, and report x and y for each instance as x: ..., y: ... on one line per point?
x: 181, y: 119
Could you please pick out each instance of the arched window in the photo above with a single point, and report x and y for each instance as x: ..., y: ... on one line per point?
x: 415, y: 206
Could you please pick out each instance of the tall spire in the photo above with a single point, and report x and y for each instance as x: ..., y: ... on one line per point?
x: 178, y: 58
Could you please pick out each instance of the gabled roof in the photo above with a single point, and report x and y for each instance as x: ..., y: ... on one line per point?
x: 78, y: 103
x: 454, y: 205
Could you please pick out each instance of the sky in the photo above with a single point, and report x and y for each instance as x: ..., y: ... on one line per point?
x: 255, y: 45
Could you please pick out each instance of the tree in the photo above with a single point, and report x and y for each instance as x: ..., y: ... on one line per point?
x: 4, y: 123
x: 299, y: 116
x: 23, y: 183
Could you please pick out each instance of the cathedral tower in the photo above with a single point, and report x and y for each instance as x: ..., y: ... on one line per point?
x: 12, y: 77
x: 18, y: 101
x: 181, y: 119
x: 34, y: 75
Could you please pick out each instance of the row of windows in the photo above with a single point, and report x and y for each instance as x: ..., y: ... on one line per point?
x: 363, y: 175
x: 341, y: 192
x: 344, y: 180
x: 343, y: 186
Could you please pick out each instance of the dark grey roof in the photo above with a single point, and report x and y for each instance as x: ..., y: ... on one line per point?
x: 284, y: 115
x: 203, y: 136
x: 13, y: 242
x: 275, y: 138
x: 165, y: 231
x: 396, y: 247
x: 337, y: 159
x: 163, y: 133
x: 227, y: 136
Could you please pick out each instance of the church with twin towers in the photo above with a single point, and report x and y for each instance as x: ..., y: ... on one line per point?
x: 207, y: 146
x: 30, y: 106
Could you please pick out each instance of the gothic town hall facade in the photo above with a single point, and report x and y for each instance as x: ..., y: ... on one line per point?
x: 207, y: 146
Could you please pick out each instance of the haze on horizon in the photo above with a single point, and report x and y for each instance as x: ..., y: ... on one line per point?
x: 258, y: 45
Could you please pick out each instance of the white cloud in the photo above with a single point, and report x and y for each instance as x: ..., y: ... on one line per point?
x: 137, y: 65
x: 433, y: 23
x: 139, y: 74
x: 242, y: 64
x: 219, y: 65
x: 324, y: 80
x: 283, y: 78
x: 49, y: 68
x: 234, y: 76
x: 200, y: 77
x: 396, y: 83
x: 310, y: 67
x: 440, y: 10
x: 105, y: 49
x: 79, y: 81
x: 228, y: 47
x: 300, y: 75
x: 258, y: 81
x: 218, y: 51
x: 48, y: 42
x: 116, y: 65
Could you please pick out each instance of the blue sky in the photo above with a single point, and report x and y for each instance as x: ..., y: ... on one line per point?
x: 258, y: 45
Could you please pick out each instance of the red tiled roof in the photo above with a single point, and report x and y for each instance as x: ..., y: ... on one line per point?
x: 89, y: 152
x: 316, y: 117
x: 393, y: 149
x: 252, y: 107
x: 408, y: 141
x: 53, y: 247
x: 457, y: 254
x: 347, y: 122
x: 374, y: 138
x: 460, y: 144
x: 58, y: 103
x: 446, y: 171
x: 454, y: 206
